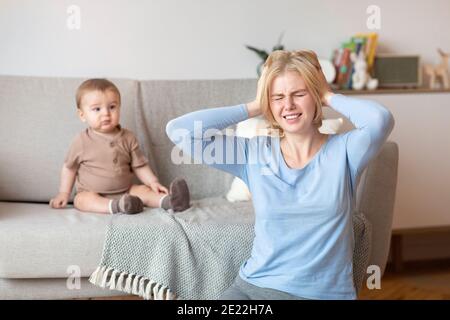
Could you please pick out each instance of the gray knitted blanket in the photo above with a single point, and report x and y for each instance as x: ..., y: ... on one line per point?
x: 195, y: 254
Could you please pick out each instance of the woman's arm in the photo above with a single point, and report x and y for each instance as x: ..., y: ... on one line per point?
x: 373, y: 123
x: 253, y: 109
x: 198, y: 134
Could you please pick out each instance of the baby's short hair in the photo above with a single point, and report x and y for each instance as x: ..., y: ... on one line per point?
x: 94, y: 85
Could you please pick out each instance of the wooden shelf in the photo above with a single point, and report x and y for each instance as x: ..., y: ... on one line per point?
x: 392, y: 91
x: 423, y: 230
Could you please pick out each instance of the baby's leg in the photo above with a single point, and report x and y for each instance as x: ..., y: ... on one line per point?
x: 149, y: 197
x: 178, y: 199
x: 91, y: 202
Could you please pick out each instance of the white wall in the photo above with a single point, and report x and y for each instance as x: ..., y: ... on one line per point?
x: 422, y: 132
x: 192, y: 39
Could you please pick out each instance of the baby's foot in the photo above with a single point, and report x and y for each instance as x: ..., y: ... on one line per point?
x: 127, y: 204
x: 179, y: 195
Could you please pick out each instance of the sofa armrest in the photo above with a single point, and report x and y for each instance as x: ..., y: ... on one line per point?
x: 376, y: 198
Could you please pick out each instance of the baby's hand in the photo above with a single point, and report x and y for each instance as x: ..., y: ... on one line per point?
x: 158, y: 188
x: 60, y: 201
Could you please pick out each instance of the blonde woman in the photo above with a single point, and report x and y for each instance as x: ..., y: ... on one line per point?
x: 303, y: 182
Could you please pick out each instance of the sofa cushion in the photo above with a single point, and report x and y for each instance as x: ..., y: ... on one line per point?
x: 55, y: 288
x: 40, y: 121
x: 165, y: 100
x: 40, y: 242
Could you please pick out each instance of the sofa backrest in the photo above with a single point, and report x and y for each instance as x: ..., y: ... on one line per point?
x: 162, y: 101
x: 38, y: 123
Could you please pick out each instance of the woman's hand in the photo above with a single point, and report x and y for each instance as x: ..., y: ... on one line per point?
x: 60, y: 201
x: 158, y: 187
x: 253, y: 109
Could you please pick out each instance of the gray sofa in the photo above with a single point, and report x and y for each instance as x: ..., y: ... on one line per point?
x: 43, y: 250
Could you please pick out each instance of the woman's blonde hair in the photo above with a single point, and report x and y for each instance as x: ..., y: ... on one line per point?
x: 306, y: 63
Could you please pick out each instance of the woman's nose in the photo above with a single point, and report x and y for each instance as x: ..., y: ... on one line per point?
x: 289, y: 103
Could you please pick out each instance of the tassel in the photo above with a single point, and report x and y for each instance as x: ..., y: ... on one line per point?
x: 142, y: 287
x: 169, y: 295
x: 161, y: 292
x: 128, y: 283
x: 155, y: 291
x: 148, y: 290
x: 112, y: 280
x: 93, y: 276
x: 135, y: 285
x: 99, y: 275
x: 120, y: 281
x: 105, y: 278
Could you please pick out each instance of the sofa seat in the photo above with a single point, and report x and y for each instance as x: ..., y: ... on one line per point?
x: 44, y: 242
x: 40, y: 242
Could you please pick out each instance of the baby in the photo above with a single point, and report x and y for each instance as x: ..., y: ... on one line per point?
x: 102, y: 159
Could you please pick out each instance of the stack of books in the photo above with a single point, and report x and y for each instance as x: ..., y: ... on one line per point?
x: 344, y: 65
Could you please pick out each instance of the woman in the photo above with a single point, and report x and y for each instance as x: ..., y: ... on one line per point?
x: 303, y: 182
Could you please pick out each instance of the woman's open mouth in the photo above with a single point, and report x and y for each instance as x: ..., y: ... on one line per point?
x: 293, y: 117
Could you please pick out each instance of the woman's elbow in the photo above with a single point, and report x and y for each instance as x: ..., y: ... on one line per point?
x: 386, y: 120
x: 170, y: 128
x: 174, y: 131
x: 177, y: 134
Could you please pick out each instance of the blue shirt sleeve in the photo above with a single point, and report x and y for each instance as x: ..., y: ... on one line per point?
x: 199, y: 135
x: 373, y: 124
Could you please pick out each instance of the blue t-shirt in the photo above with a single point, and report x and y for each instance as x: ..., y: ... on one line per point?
x: 303, y: 241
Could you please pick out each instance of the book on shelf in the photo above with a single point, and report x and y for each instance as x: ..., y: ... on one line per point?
x: 341, y: 58
x: 369, y: 47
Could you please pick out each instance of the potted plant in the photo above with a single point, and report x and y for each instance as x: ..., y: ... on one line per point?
x: 264, y: 54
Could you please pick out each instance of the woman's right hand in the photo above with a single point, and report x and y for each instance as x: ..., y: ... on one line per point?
x: 253, y: 109
x: 60, y: 201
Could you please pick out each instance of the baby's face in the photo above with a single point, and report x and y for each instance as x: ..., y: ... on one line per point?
x: 100, y: 110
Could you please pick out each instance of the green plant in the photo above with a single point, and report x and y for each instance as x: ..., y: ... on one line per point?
x: 264, y: 54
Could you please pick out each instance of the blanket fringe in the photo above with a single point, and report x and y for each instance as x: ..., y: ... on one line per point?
x: 106, y: 277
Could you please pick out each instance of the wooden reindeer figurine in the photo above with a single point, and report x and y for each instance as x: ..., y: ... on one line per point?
x: 439, y: 71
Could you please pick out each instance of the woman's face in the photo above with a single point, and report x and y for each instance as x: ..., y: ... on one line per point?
x: 292, y: 106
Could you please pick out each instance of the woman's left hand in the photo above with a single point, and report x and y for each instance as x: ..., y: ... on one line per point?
x: 327, y: 98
